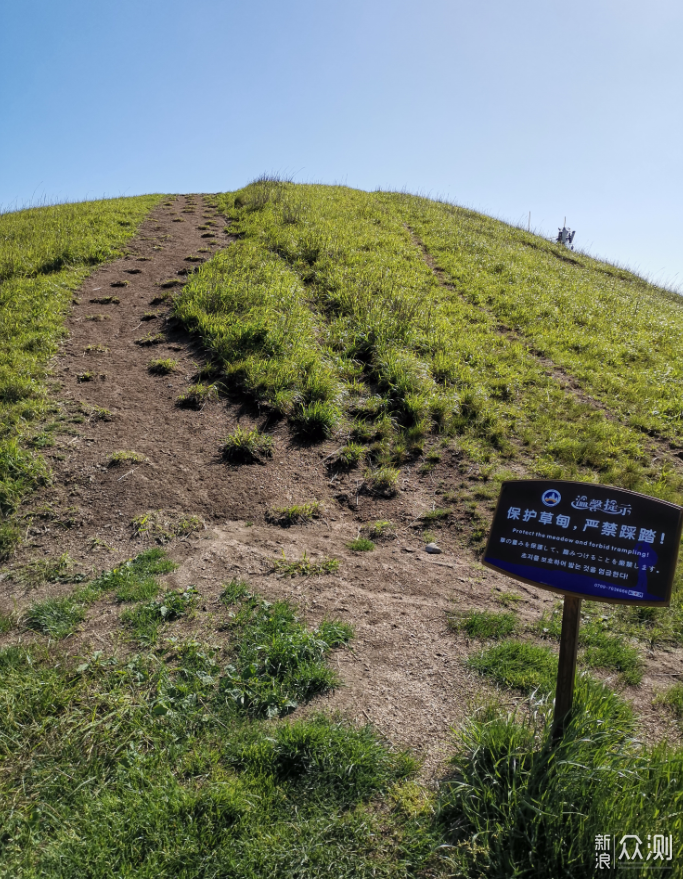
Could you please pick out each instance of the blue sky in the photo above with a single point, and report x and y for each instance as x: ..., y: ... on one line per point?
x: 561, y: 109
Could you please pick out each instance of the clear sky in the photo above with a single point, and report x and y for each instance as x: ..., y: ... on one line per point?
x: 561, y: 109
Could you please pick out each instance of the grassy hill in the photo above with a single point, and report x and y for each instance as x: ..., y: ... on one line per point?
x: 401, y: 335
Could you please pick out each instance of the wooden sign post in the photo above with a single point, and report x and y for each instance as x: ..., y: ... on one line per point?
x: 566, y: 666
x: 584, y: 541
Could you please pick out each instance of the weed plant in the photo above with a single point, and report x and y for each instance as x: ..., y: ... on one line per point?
x: 145, y: 621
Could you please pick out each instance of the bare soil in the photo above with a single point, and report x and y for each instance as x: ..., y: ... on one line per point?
x: 405, y: 671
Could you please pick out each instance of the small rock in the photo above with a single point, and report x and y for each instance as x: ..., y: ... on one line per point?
x: 432, y: 547
x: 408, y: 549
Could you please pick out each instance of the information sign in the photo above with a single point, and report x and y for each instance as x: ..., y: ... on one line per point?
x: 585, y: 540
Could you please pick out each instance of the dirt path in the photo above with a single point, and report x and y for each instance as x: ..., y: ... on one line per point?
x: 405, y: 672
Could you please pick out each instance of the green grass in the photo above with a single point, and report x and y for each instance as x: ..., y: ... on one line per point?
x: 432, y: 517
x: 135, y: 579
x: 56, y: 617
x: 520, y: 806
x: 427, y: 353
x: 146, y: 768
x: 132, y: 581
x: 672, y: 698
x: 163, y: 526
x: 348, y: 457
x: 162, y: 366
x: 45, y: 254
x: 617, y: 334
x: 305, y: 566
x: 197, y: 396
x: 151, y: 339
x: 124, y: 457
x: 144, y: 622
x: 175, y: 764
x: 361, y: 544
x: 518, y: 665
x: 40, y: 571
x: 486, y: 624
x: 383, y: 480
x: 379, y: 531
x: 604, y: 646
x: 247, y: 446
x: 278, y: 663
x: 297, y: 514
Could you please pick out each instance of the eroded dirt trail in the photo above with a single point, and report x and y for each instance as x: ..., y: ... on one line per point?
x: 405, y: 672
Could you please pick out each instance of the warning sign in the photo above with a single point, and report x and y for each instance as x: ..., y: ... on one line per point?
x: 591, y: 541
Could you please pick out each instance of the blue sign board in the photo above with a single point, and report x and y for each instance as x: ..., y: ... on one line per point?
x: 591, y: 541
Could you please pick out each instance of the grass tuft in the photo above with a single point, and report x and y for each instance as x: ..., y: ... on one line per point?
x: 123, y: 457
x: 298, y: 514
x: 56, y: 617
x: 383, y: 481
x: 518, y: 665
x: 379, y: 531
x: 672, y: 698
x: 486, y: 624
x: 361, y: 544
x: 197, y: 396
x: 532, y: 806
x: 144, y: 621
x: 162, y: 366
x: 247, y: 447
x: 163, y: 526
x: 305, y: 566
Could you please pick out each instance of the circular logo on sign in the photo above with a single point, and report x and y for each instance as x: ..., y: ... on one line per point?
x: 551, y: 497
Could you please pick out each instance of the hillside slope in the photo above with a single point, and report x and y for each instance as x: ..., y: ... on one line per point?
x: 283, y: 394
